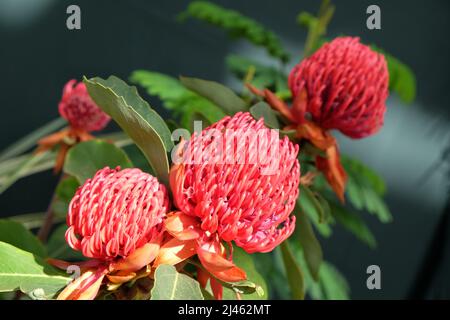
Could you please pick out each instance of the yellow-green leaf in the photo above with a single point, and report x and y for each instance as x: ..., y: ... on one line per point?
x: 172, y: 285
x: 16, y: 234
x: 86, y: 158
x: 217, y: 93
x: 293, y: 272
x: 21, y: 270
x: 311, y: 246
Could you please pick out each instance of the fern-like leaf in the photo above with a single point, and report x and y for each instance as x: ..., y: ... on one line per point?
x: 237, y: 25
x: 263, y: 76
x: 365, y: 189
x: 186, y: 105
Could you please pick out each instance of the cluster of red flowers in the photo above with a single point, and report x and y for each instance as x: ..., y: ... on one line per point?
x: 119, y: 211
x: 122, y: 219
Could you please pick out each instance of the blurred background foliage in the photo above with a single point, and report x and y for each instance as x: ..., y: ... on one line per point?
x: 412, y: 250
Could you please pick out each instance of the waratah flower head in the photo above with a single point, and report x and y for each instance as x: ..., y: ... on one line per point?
x: 115, y: 213
x: 346, y: 84
x: 241, y: 181
x: 77, y: 107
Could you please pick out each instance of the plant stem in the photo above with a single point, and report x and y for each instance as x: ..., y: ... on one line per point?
x: 18, y: 295
x: 48, y: 222
x: 49, y: 217
x: 319, y: 27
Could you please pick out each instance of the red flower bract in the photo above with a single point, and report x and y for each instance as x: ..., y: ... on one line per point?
x: 346, y: 84
x: 241, y: 181
x: 77, y: 107
x: 115, y: 213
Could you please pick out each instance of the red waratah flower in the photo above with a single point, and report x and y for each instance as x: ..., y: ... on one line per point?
x: 346, y: 84
x: 77, y: 107
x: 116, y: 218
x: 116, y: 212
x: 234, y: 181
x: 83, y: 115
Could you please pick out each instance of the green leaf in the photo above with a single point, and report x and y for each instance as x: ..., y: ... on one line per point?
x: 371, y: 177
x: 317, y: 26
x: 313, y: 208
x: 279, y: 277
x: 131, y: 97
x: 263, y: 76
x: 401, y: 78
x: 29, y: 220
x: 134, y: 115
x: 65, y: 190
x: 25, y: 165
x: 314, y: 202
x: 207, y: 295
x: 311, y: 246
x: 376, y: 205
x: 354, y: 194
x: 86, y: 158
x: 237, y: 25
x: 167, y: 88
x: 16, y: 234
x: 7, y: 295
x: 21, y: 270
x: 13, y: 166
x: 353, y: 222
x: 270, y: 266
x: 312, y: 287
x: 183, y: 103
x: 137, y: 158
x: 333, y: 283
x: 217, y: 93
x: 326, y: 209
x: 58, y: 248
x: 365, y: 189
x: 293, y: 272
x: 30, y: 139
x: 242, y: 290
x: 171, y: 285
x: 257, y: 283
x: 263, y: 110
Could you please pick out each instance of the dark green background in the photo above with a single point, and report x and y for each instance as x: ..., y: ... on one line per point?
x: 38, y: 55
